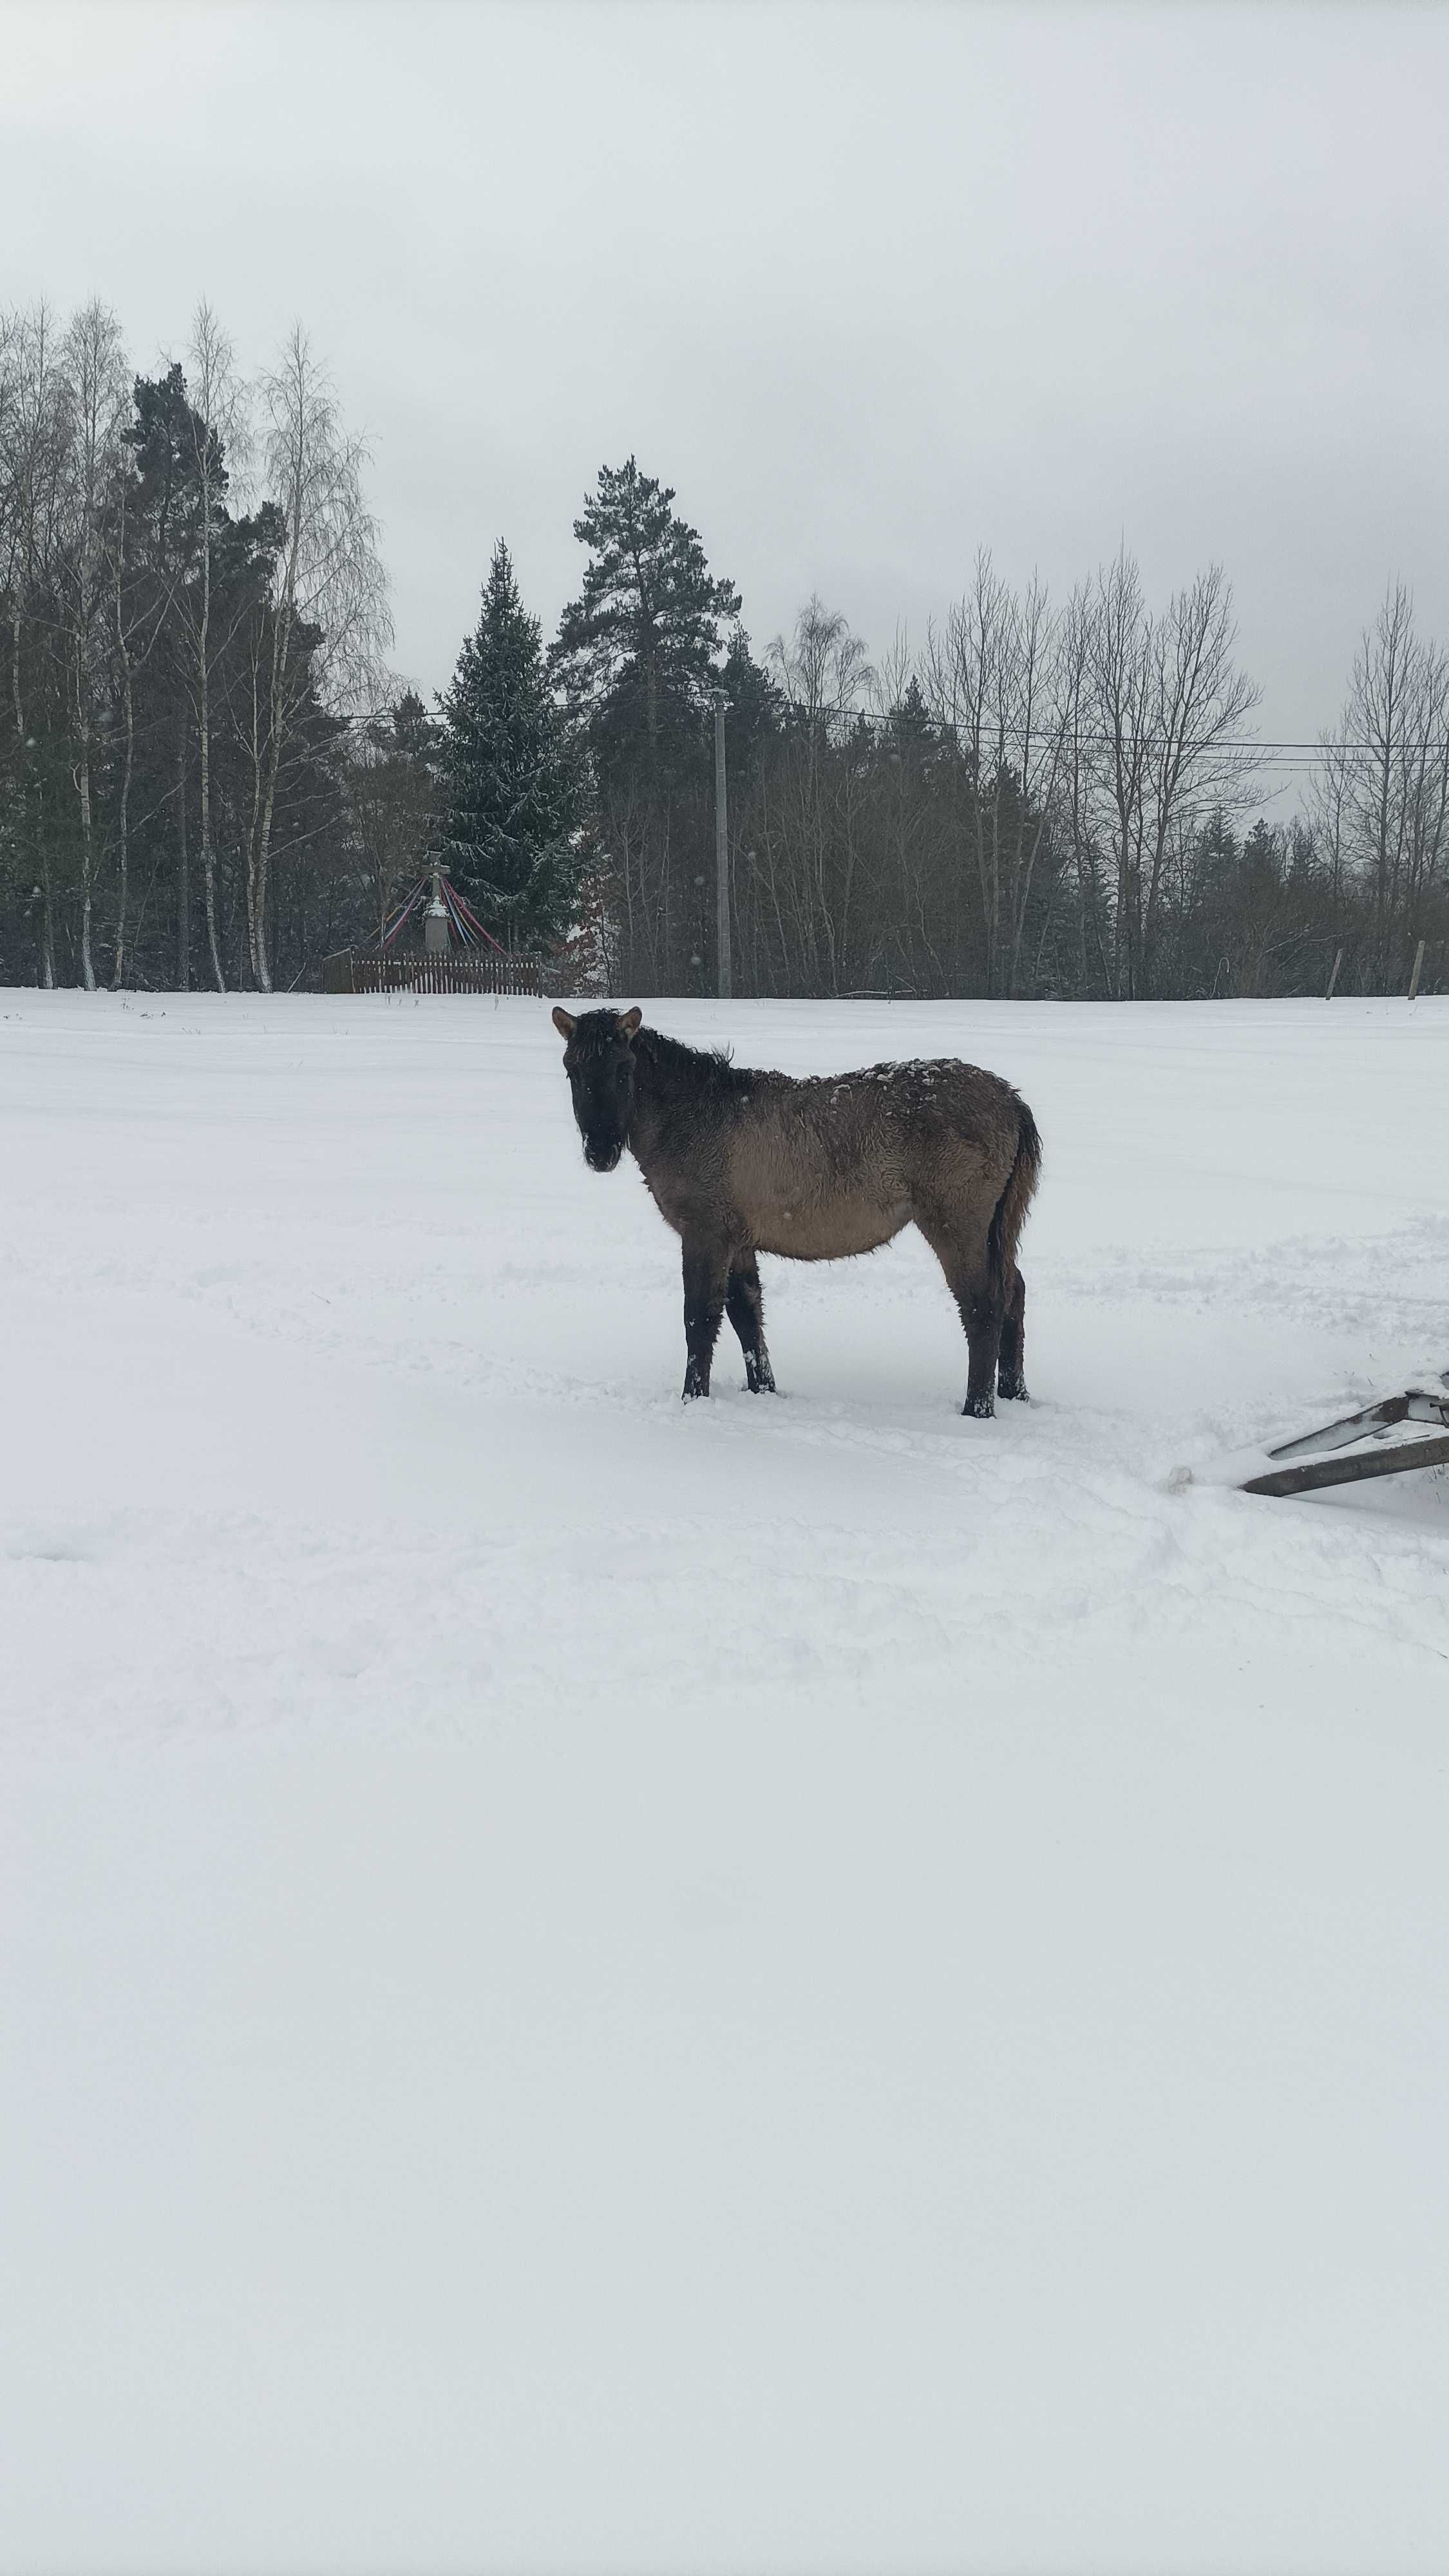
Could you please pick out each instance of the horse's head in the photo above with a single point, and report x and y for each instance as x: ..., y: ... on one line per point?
x: 599, y: 1062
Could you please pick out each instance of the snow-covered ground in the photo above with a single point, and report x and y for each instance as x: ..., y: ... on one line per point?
x: 800, y: 1985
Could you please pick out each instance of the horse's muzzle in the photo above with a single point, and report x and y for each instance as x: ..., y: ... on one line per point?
x: 601, y: 1158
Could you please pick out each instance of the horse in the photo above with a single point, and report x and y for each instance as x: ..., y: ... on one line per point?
x: 741, y: 1162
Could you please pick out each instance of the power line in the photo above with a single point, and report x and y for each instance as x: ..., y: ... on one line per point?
x: 1310, y: 753
x: 1301, y: 756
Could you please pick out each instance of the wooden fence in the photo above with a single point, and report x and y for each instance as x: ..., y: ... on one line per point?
x: 356, y: 970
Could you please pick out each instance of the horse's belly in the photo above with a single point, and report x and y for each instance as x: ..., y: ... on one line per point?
x: 828, y: 1230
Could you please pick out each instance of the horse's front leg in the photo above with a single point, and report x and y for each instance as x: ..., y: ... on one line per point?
x: 706, y: 1273
x: 745, y: 1307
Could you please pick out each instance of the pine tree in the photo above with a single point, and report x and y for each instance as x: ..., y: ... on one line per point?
x: 909, y: 720
x: 507, y: 800
x: 636, y: 650
x: 756, y: 701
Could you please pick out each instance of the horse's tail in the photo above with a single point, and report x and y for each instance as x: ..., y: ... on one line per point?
x: 1016, y: 1198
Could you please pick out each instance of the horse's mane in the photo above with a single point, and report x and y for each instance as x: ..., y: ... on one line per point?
x: 696, y: 1069
x: 684, y: 1071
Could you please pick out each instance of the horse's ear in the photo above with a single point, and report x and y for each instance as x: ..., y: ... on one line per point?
x: 564, y: 1025
x: 629, y: 1022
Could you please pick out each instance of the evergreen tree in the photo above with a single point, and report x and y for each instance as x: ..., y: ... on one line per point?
x: 756, y: 702
x: 636, y: 651
x: 506, y: 799
x: 909, y: 720
x: 165, y: 438
x: 390, y: 794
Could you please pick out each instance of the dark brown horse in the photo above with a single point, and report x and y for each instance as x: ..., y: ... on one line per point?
x: 741, y: 1163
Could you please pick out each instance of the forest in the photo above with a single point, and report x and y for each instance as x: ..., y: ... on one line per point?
x: 211, y: 776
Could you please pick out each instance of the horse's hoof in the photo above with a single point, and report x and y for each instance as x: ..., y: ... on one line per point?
x: 979, y: 1408
x: 1012, y: 1391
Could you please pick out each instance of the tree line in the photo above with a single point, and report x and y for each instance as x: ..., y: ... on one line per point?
x: 209, y: 774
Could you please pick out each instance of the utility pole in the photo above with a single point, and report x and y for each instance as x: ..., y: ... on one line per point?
x: 722, y: 851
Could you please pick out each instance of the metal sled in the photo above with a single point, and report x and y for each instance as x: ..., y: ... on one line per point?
x: 1357, y: 1448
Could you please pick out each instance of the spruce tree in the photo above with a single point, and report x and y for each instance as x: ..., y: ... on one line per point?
x: 636, y: 651
x: 506, y: 803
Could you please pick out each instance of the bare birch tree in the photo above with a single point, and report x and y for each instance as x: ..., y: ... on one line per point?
x: 37, y: 429
x: 221, y: 446
x: 1200, y: 759
x: 130, y: 648
x: 1170, y: 707
x: 812, y: 846
x: 95, y: 366
x: 11, y: 452
x: 1382, y: 801
x: 1120, y: 666
x: 328, y: 623
x: 1076, y: 783
x: 991, y: 679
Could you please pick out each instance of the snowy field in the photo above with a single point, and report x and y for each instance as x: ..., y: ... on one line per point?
x: 598, y: 1985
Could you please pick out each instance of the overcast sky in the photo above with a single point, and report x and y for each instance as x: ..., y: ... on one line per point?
x: 870, y: 286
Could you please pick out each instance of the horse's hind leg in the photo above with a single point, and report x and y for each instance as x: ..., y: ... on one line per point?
x: 980, y: 1303
x: 706, y: 1270
x: 975, y: 1282
x: 745, y: 1307
x: 1010, y: 1377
